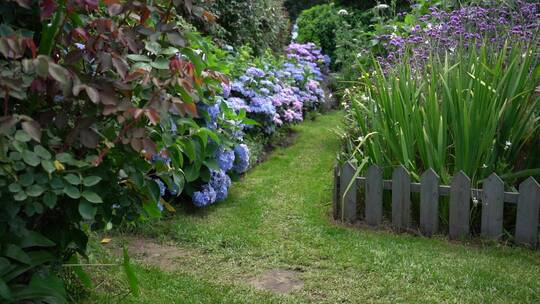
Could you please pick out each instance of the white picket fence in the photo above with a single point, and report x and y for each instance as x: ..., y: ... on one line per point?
x: 492, y: 198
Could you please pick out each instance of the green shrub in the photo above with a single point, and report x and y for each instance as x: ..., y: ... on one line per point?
x: 318, y: 25
x: 89, y: 94
x: 261, y: 24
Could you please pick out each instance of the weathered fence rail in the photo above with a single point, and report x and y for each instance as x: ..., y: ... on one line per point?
x: 492, y: 198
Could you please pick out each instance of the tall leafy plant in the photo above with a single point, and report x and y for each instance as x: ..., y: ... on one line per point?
x: 473, y: 111
x: 91, y: 92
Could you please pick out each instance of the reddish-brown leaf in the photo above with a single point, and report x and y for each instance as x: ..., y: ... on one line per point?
x: 73, y: 56
x: 136, y: 144
x: 108, y: 98
x: 29, y: 42
x: 209, y: 17
x: 191, y: 108
x: 136, y: 112
x: 80, y: 33
x: 115, y: 9
x: 153, y: 116
x: 108, y: 110
x: 93, y: 94
x: 121, y: 66
x: 149, y: 146
x: 89, y: 138
x: 6, y: 123
x: 32, y: 128
x: 47, y: 8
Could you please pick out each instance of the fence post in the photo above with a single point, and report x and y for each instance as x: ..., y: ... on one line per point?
x: 401, y: 198
x: 348, y: 196
x: 527, y: 212
x: 460, y: 203
x: 429, y: 202
x: 492, y: 207
x: 374, y: 195
x: 335, y: 198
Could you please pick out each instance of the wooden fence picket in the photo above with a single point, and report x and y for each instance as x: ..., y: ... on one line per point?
x: 335, y: 197
x: 374, y: 195
x: 348, y: 197
x: 492, y: 196
x: 401, y: 198
x: 527, y: 212
x: 460, y: 202
x: 492, y: 207
x: 429, y: 202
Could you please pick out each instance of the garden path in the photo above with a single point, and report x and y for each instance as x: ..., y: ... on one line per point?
x: 273, y: 241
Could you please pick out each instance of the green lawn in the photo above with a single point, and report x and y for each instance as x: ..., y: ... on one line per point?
x: 278, y: 217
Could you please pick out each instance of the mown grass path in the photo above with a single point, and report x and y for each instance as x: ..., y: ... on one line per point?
x: 277, y: 217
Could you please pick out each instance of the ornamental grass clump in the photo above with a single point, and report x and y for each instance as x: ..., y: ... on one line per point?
x: 474, y: 110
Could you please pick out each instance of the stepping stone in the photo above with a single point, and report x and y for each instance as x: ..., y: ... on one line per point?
x: 279, y: 281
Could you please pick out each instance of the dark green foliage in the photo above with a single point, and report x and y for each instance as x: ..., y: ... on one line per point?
x: 318, y: 25
x: 88, y: 97
x: 262, y: 24
x: 295, y: 7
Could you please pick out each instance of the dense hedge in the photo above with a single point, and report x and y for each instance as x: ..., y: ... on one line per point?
x: 261, y: 24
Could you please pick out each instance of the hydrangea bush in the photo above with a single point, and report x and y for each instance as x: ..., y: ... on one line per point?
x: 280, y: 90
x: 269, y: 93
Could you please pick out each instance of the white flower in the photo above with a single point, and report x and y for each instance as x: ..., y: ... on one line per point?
x: 475, y: 200
x: 381, y: 6
x: 359, y: 55
x: 484, y: 166
x: 507, y: 145
x: 343, y: 12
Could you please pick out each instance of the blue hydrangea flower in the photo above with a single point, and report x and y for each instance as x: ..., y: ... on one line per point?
x: 255, y: 72
x: 161, y: 186
x: 161, y: 157
x: 225, y: 159
x: 220, y: 182
x: 205, y: 197
x: 241, y: 162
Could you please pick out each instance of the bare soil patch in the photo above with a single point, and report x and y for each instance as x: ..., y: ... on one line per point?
x: 148, y: 251
x: 281, y: 281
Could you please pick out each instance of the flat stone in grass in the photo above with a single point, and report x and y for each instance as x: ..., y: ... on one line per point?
x: 279, y: 281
